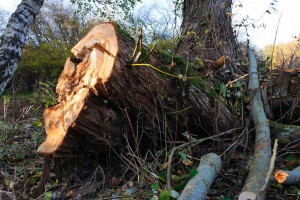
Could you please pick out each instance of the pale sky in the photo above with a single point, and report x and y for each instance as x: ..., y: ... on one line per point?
x: 289, y: 25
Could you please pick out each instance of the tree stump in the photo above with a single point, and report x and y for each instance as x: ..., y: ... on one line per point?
x: 103, y: 99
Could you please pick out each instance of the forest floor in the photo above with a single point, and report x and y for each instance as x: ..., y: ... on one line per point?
x: 86, y: 176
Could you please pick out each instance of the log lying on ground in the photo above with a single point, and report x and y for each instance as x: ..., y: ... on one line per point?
x: 262, y: 154
x: 285, y: 133
x: 99, y: 94
x: 288, y: 177
x: 198, y: 187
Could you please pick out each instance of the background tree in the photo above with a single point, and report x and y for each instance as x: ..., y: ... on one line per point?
x: 13, y: 38
x: 3, y: 20
x: 285, y: 55
x: 56, y: 30
x: 206, y: 30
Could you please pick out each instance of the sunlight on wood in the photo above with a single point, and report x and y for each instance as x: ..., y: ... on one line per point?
x: 97, y: 50
x: 280, y: 176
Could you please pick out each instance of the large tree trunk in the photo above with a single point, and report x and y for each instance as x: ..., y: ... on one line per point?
x: 102, y: 98
x: 13, y: 38
x: 206, y: 30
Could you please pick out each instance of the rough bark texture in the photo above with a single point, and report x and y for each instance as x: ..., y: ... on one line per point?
x: 13, y: 38
x: 99, y: 94
x: 262, y: 154
x: 198, y: 187
x: 286, y: 96
x: 206, y: 30
x: 285, y: 133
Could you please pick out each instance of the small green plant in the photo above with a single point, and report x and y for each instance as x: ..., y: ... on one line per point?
x: 48, y: 96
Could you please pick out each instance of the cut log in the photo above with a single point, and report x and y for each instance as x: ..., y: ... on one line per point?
x: 198, y: 187
x: 288, y: 177
x: 259, y: 167
x: 100, y: 93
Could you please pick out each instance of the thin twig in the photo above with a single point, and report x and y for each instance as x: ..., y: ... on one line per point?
x: 230, y: 82
x: 271, y: 71
x: 132, y: 131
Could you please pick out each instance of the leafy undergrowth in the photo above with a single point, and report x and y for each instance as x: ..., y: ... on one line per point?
x: 129, y: 176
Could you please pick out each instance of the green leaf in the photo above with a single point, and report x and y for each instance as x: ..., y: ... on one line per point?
x: 155, y: 186
x: 180, y: 186
x: 183, y: 155
x: 179, y: 178
x: 228, y: 197
x: 38, y: 123
x: 48, y: 195
x: 206, y: 31
x: 223, y: 90
x: 162, y: 177
x: 164, y: 195
x: 201, y: 63
x: 193, y: 173
x: 174, y: 194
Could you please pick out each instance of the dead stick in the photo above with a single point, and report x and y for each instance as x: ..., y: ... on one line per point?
x: 272, y: 164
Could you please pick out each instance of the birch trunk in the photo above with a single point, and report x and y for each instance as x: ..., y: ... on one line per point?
x: 13, y: 39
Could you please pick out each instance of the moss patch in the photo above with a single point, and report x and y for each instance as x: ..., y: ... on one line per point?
x: 122, y: 31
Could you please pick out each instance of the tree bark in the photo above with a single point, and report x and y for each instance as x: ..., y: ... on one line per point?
x: 102, y: 98
x: 259, y: 167
x: 198, y: 187
x: 206, y: 30
x: 13, y: 38
x: 286, y: 95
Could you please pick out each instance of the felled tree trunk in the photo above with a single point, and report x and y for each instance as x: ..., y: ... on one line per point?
x: 253, y: 187
x: 102, y: 98
x: 13, y: 39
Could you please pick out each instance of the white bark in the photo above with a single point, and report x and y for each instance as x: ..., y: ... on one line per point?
x: 13, y: 39
x: 198, y: 187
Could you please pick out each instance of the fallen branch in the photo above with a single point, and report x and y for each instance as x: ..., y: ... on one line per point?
x: 288, y: 177
x: 262, y: 154
x: 192, y: 143
x: 197, y: 188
